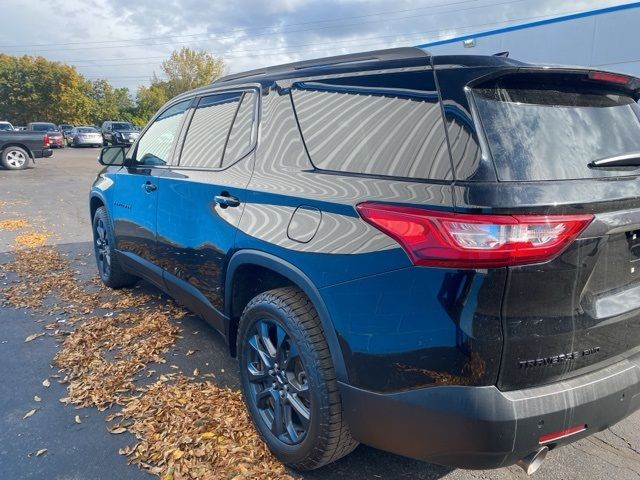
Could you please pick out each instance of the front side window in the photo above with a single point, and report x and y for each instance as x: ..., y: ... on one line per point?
x: 154, y: 147
x: 209, y: 130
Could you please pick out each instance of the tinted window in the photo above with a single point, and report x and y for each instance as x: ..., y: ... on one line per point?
x: 44, y: 127
x: 552, y: 129
x: 208, y: 131
x: 154, y: 147
x: 122, y: 126
x: 5, y: 127
x: 241, y: 135
x: 386, y: 124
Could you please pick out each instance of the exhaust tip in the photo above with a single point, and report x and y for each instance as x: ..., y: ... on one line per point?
x: 532, y: 462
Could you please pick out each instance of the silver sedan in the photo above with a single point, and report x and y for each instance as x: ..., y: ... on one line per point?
x: 85, y: 136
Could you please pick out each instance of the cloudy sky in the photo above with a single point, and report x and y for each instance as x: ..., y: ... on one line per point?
x: 124, y: 41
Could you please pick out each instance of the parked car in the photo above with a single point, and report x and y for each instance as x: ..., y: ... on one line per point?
x: 56, y: 138
x: 17, y: 148
x: 6, y: 127
x: 65, y: 128
x: 85, y: 136
x: 433, y: 255
x: 119, y: 133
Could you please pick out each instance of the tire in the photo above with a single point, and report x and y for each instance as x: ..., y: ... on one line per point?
x: 14, y: 158
x: 303, y: 387
x: 109, y: 268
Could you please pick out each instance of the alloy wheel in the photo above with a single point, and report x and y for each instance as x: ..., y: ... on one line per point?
x: 278, y: 385
x: 16, y: 158
x: 103, y: 249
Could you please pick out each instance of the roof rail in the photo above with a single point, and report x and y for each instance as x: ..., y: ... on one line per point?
x: 374, y: 55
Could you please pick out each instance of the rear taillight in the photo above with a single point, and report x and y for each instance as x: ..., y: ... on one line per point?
x: 45, y: 141
x: 474, y: 241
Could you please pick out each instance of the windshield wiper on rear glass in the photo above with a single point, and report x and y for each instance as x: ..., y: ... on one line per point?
x: 625, y: 160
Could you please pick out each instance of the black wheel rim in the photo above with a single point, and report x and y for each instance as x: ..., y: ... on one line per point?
x: 103, y: 249
x: 278, y: 386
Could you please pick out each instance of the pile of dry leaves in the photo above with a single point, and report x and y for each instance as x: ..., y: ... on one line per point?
x: 185, y: 429
x: 193, y: 430
x: 102, y: 354
x: 12, y: 225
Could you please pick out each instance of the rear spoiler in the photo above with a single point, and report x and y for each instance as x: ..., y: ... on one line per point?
x: 628, y: 83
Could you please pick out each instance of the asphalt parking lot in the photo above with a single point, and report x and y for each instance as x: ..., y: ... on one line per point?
x: 53, y: 195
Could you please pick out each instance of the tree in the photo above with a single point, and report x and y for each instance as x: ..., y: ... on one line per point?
x: 150, y: 99
x: 187, y: 69
x: 109, y: 103
x: 34, y: 88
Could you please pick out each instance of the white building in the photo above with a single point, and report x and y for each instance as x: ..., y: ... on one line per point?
x: 607, y: 38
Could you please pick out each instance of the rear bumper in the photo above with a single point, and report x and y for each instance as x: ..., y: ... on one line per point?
x: 482, y: 427
x: 46, y: 153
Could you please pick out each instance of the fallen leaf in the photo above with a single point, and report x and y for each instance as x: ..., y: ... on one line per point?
x: 33, y: 336
x: 46, y: 383
x: 42, y: 451
x: 196, y: 372
x: 37, y: 398
x: 77, y: 419
x: 207, y: 435
x: 177, y: 454
x: 190, y: 352
x: 29, y: 413
x: 168, y: 475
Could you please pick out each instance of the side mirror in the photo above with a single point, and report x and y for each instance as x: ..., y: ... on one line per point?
x: 112, y: 156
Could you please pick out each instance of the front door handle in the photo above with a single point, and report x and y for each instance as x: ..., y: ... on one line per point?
x: 149, y: 187
x: 227, y: 200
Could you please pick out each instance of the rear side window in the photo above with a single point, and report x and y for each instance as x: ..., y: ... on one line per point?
x: 209, y: 130
x: 242, y: 132
x: 385, y: 124
x: 551, y: 127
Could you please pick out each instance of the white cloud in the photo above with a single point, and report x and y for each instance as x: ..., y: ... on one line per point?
x: 136, y: 35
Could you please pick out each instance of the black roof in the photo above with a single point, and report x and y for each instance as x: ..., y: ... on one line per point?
x: 376, y: 59
x: 403, y: 53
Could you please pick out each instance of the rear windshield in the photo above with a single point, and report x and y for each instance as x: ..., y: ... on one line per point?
x: 86, y: 130
x: 551, y: 129
x: 44, y: 127
x: 121, y: 126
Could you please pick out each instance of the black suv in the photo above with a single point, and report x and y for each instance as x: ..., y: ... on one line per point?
x: 119, y: 133
x: 438, y: 256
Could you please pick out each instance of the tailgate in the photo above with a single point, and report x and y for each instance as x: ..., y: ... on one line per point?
x: 550, y: 133
x: 577, y: 313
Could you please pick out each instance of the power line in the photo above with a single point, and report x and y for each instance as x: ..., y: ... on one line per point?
x: 241, y: 29
x: 324, y: 27
x: 296, y: 48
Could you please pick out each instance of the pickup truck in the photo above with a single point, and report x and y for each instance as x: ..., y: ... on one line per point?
x: 16, y: 148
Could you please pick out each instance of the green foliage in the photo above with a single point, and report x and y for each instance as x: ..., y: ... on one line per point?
x: 109, y: 103
x: 36, y: 89
x: 33, y: 88
x: 187, y: 69
x: 150, y: 99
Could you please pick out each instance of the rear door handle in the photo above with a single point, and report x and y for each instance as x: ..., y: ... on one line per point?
x: 149, y: 187
x: 227, y: 200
